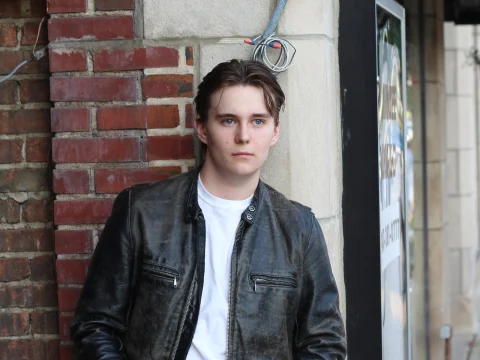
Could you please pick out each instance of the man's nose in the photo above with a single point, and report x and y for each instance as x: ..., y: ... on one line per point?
x: 243, y: 133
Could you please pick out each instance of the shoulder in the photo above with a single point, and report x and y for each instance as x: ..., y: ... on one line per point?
x: 292, y: 212
x: 175, y: 187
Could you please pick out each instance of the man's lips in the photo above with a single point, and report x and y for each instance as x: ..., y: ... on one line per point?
x: 242, y: 154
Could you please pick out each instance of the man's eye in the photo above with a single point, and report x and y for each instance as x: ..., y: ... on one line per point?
x: 258, y: 121
x: 228, y: 121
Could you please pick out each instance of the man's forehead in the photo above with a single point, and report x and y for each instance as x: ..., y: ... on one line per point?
x: 249, y: 99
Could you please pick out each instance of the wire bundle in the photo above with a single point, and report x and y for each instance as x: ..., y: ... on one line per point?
x: 268, y: 39
x: 284, y: 59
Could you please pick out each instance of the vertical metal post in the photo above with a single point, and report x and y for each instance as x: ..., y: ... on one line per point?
x: 423, y: 114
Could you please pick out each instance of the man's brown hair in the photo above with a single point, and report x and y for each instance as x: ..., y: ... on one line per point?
x: 240, y: 72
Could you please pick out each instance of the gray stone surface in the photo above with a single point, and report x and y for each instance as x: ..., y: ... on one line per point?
x: 205, y: 19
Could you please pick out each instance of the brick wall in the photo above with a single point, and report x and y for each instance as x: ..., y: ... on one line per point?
x: 122, y: 115
x: 28, y: 301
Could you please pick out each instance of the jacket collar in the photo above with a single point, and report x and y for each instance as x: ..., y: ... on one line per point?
x: 192, y: 209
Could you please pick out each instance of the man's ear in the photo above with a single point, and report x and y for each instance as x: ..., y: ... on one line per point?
x: 201, y: 129
x: 276, y: 134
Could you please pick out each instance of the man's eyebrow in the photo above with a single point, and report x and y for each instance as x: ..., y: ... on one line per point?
x: 256, y: 115
x: 225, y: 115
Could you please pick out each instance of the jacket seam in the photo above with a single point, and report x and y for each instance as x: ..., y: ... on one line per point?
x: 129, y: 220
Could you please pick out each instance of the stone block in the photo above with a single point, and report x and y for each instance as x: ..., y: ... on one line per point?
x: 465, y: 121
x: 452, y: 173
x: 464, y: 37
x: 317, y: 17
x: 462, y: 229
x: 452, y: 129
x: 314, y: 131
x: 205, y: 19
x: 449, y: 36
x: 450, y: 72
x: 213, y: 53
x: 465, y: 74
x: 436, y: 196
x: 467, y: 171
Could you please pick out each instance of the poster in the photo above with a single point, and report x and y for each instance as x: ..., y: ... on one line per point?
x: 391, y: 160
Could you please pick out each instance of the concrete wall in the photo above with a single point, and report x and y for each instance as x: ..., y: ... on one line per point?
x: 306, y: 163
x: 462, y: 212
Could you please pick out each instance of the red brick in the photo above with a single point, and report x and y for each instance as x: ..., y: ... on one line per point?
x: 39, y: 149
x: 70, y: 119
x: 8, y: 93
x: 14, y: 269
x: 72, y: 271
x: 138, y: 117
x: 66, y: 6
x: 44, y: 322
x: 16, y: 180
x: 30, y: 31
x: 71, y: 181
x: 37, y: 210
x: 64, y: 326
x: 168, y: 147
x: 14, y: 324
x: 162, y: 86
x: 9, y: 211
x: 95, y: 211
x: 91, y: 28
x: 134, y: 59
x: 28, y: 296
x: 115, y: 180
x: 68, y: 60
x: 101, y: 88
x: 43, y: 268
x: 66, y: 352
x: 34, y: 91
x: 25, y: 121
x: 10, y: 59
x: 22, y: 9
x: 26, y: 240
x: 114, y: 4
x: 11, y: 151
x: 189, y: 116
x: 189, y: 55
x: 8, y: 35
x: 41, y: 349
x: 96, y: 149
x: 73, y: 242
x: 68, y: 298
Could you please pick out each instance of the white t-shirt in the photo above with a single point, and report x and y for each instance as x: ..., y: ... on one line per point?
x: 221, y: 220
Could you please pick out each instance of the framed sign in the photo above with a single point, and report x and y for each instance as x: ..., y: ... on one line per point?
x: 391, y: 111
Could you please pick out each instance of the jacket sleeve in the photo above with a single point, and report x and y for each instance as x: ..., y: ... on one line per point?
x: 320, y: 328
x: 102, y: 309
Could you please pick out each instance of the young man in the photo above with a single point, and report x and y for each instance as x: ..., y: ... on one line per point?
x: 214, y: 264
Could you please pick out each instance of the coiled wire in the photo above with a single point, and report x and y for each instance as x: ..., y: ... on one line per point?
x: 285, y: 57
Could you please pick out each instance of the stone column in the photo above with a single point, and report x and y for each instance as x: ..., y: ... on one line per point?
x: 461, y: 182
x: 438, y: 302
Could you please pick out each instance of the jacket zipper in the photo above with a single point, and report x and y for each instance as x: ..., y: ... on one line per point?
x: 163, y: 273
x: 273, y: 281
x: 233, y: 270
x: 184, y: 317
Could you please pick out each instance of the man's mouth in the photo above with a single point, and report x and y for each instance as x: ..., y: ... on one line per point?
x: 242, y: 153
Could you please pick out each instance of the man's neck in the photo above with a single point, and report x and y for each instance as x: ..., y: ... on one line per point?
x: 226, y: 186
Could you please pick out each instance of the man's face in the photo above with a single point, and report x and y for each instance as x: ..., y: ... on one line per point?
x: 239, y: 131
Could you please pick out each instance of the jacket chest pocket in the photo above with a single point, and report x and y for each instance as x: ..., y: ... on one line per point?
x: 272, y: 281
x: 161, y: 273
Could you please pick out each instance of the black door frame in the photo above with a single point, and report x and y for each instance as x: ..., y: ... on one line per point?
x: 361, y: 214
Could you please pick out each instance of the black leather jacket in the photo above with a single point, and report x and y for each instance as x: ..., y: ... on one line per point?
x: 142, y: 294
